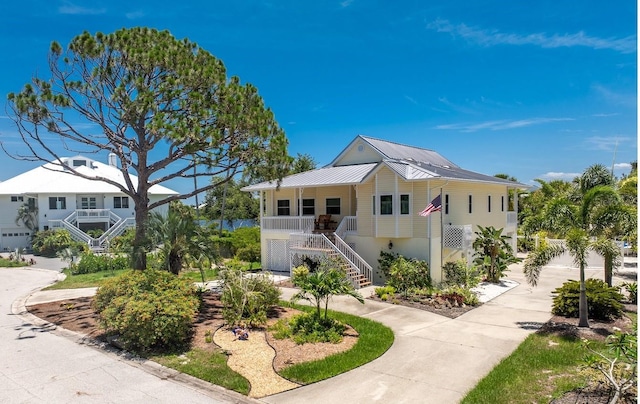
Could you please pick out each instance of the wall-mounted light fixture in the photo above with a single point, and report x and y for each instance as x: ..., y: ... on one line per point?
x: 390, y: 245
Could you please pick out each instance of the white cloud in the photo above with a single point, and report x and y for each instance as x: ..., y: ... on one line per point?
x: 559, y: 176
x: 346, y: 3
x: 605, y: 143
x: 616, y: 98
x: 70, y: 8
x: 603, y: 115
x: 411, y: 100
x: 622, y: 166
x: 486, y: 37
x: 132, y: 15
x: 503, y: 124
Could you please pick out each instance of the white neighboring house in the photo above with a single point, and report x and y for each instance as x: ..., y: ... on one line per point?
x: 71, y: 202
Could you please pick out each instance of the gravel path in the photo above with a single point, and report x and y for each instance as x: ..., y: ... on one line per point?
x: 253, y: 359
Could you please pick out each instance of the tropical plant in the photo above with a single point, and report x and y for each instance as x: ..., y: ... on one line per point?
x: 165, y: 106
x: 28, y: 215
x: 618, y: 364
x: 604, y: 302
x: 247, y: 298
x: 172, y: 234
x: 319, y: 286
x: 493, y: 253
x: 597, y: 212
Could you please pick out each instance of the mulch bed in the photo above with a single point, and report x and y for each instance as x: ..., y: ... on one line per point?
x: 435, y: 306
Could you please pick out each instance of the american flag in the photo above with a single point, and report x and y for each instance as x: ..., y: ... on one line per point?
x: 434, y: 206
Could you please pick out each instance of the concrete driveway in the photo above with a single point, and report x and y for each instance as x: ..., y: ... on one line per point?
x: 435, y: 359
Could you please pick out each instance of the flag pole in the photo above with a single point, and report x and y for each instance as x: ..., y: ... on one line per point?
x: 441, y: 235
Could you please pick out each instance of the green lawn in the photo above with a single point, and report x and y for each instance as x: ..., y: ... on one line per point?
x: 5, y: 263
x: 209, y: 366
x: 540, y: 369
x: 84, y: 280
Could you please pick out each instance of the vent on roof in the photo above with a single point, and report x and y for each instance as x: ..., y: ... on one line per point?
x: 112, y: 160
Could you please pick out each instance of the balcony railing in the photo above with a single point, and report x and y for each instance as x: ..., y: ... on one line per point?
x: 291, y: 224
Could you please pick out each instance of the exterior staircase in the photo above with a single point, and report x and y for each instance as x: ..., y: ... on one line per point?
x: 117, y: 226
x: 331, y: 246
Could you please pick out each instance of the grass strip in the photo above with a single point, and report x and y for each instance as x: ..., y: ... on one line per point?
x: 6, y: 263
x: 209, y: 366
x: 542, y: 368
x: 374, y: 340
x: 84, y: 280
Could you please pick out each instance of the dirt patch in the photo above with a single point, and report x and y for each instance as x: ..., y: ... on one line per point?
x: 78, y: 315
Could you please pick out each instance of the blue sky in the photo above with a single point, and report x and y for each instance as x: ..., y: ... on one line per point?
x: 539, y: 91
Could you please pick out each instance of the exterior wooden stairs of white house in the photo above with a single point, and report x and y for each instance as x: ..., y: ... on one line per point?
x: 117, y: 226
x: 331, y: 245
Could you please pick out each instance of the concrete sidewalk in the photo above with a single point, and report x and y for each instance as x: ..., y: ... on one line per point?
x: 434, y: 359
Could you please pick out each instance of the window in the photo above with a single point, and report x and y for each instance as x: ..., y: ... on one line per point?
x: 333, y: 206
x: 284, y: 207
x: 502, y: 203
x: 32, y: 203
x: 489, y: 203
x: 374, y: 205
x: 17, y: 199
x: 121, y: 202
x: 87, y: 203
x: 309, y: 207
x: 446, y: 204
x: 57, y: 202
x: 470, y: 204
x: 78, y: 163
x: 386, y: 204
x: 404, y: 204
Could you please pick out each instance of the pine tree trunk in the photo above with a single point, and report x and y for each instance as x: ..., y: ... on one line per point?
x: 583, y: 308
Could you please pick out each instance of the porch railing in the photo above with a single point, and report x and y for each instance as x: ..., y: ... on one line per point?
x: 348, y: 224
x: 321, y: 243
x: 355, y: 260
x: 293, y: 224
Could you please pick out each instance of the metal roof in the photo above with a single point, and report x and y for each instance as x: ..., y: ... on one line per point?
x: 50, y: 178
x: 409, y: 162
x: 327, y: 176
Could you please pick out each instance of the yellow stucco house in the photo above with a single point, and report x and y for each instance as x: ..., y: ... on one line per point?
x: 369, y: 198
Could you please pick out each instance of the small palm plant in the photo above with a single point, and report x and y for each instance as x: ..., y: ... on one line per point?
x: 319, y: 286
x: 493, y: 252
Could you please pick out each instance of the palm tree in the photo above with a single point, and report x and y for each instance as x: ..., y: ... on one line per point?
x: 28, y: 215
x: 493, y: 252
x: 173, y: 235
x: 319, y: 286
x: 584, y: 222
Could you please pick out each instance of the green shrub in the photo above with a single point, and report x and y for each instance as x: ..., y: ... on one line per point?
x: 459, y: 295
x: 604, y: 302
x: 458, y: 273
x: 632, y: 291
x: 405, y: 275
x: 91, y: 263
x: 385, y: 292
x: 385, y: 261
x: 149, y: 310
x: 309, y: 328
x: 124, y: 242
x: 247, y: 299
x: 49, y: 243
